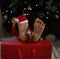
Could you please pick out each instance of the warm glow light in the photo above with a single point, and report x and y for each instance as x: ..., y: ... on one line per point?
x: 8, y: 21
x: 27, y: 13
x: 57, y: 16
x: 6, y: 10
x: 36, y: 5
x: 5, y: 16
x: 46, y: 17
x: 47, y: 12
x: 41, y: 16
x: 29, y: 7
x: 10, y: 11
x: 57, y: 11
x: 24, y: 13
x: 24, y: 8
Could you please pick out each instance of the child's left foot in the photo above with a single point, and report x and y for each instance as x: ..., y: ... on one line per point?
x: 38, y: 29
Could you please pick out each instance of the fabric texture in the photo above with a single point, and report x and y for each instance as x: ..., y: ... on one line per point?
x: 21, y: 19
x: 14, y: 49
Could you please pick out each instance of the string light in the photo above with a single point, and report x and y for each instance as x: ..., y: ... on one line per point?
x: 5, y: 16
x: 47, y: 12
x: 25, y: 2
x: 24, y: 13
x: 27, y: 13
x: 6, y: 10
x: 46, y: 17
x: 24, y: 8
x: 57, y: 16
x: 10, y: 11
x: 41, y: 16
x: 29, y: 7
x: 8, y: 21
x: 36, y: 5
x: 57, y: 11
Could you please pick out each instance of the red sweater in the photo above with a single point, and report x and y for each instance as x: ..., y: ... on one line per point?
x: 16, y: 33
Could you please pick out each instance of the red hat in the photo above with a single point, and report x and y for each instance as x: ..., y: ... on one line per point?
x: 21, y: 19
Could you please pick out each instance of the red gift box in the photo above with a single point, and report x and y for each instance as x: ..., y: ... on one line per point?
x: 14, y: 49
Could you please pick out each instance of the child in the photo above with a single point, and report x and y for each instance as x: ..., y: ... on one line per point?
x: 25, y: 32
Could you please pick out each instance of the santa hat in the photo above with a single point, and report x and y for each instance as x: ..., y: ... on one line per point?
x: 21, y: 19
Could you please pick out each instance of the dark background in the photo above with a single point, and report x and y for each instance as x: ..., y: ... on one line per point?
x: 52, y: 23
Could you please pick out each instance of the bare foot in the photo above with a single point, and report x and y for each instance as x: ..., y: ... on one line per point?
x: 38, y: 29
x: 22, y: 31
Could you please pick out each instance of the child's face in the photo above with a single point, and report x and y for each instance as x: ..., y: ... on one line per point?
x: 23, y: 30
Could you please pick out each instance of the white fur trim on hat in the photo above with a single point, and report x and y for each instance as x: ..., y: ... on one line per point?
x: 23, y: 21
x: 16, y: 20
